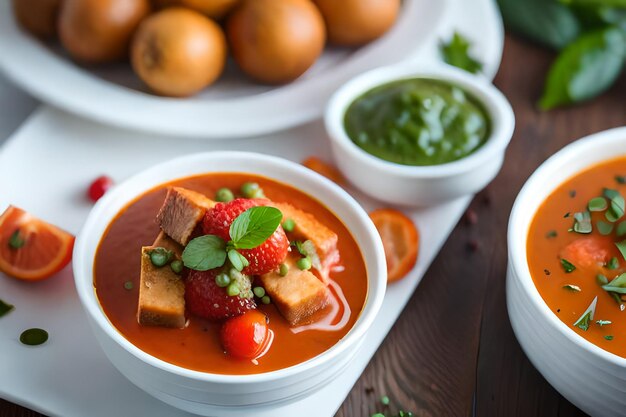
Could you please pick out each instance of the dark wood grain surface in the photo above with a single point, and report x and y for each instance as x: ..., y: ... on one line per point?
x: 452, y: 352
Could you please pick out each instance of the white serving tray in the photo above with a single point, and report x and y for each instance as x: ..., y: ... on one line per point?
x: 218, y: 111
x: 45, y: 168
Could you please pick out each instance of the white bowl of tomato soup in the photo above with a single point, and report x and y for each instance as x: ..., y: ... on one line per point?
x: 565, y: 293
x: 419, y: 135
x: 186, y: 357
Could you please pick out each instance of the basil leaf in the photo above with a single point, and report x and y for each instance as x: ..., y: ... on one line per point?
x: 254, y: 226
x: 622, y: 248
x: 585, y: 68
x: 204, y: 253
x: 544, y: 21
x: 618, y: 285
x: 567, y: 266
x: 587, y: 316
x: 5, y: 308
x: 609, y: 3
x: 238, y: 260
x: 456, y: 52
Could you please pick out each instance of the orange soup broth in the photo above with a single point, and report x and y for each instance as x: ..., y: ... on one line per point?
x: 197, y: 346
x: 544, y: 251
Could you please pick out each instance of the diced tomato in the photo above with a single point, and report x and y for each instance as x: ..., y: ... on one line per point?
x: 245, y: 336
x: 589, y: 251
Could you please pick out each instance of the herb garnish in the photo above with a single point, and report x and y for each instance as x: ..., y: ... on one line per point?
x: 5, y: 308
x: 622, y: 247
x: 546, y: 271
x: 587, y: 316
x: 567, y: 266
x: 613, y: 263
x: 601, y: 279
x: 620, y: 179
x: 551, y: 234
x: 249, y: 230
x: 617, y: 205
x: 128, y: 285
x: 456, y: 52
x: 604, y: 228
x: 566, y: 215
x: 603, y: 322
x: 572, y: 193
x: 608, y: 337
x: 621, y: 229
x: 16, y: 241
x: 582, y: 222
x: 572, y: 288
x: 597, y: 204
x: 617, y: 285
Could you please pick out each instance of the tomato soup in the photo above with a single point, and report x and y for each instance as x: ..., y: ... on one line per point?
x: 576, y: 247
x: 197, y: 346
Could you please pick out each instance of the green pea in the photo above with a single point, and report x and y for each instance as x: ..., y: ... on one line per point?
x: 252, y: 190
x: 259, y: 291
x: 160, y: 256
x: 289, y: 225
x: 266, y: 299
x: 232, y: 289
x: 128, y: 285
x: 284, y: 270
x: 304, y: 263
x: 177, y: 266
x: 224, y: 195
x: 222, y: 280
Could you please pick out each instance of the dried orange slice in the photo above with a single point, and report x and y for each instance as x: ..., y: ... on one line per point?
x: 30, y: 248
x: 400, y: 240
x: 323, y: 168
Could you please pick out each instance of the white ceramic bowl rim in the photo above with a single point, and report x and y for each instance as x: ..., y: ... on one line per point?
x: 518, y: 232
x: 493, y: 101
x: 83, y: 262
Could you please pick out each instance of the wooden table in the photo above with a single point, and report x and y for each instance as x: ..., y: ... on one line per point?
x: 453, y: 352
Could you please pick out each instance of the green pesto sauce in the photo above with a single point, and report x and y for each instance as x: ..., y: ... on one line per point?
x: 418, y: 122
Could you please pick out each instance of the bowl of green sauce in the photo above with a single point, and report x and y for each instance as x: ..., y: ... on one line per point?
x: 419, y: 136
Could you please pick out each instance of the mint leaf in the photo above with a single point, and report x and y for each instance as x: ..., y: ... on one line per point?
x: 587, y: 316
x: 204, y: 253
x: 254, y: 226
x: 238, y: 260
x: 456, y: 52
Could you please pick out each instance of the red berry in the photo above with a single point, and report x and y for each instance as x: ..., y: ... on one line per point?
x: 205, y: 299
x: 264, y: 258
x: 99, y: 187
x: 245, y: 336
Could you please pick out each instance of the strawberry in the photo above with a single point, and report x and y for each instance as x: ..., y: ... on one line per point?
x: 264, y: 258
x: 205, y: 299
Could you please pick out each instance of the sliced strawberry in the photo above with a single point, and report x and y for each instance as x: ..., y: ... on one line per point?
x: 205, y: 299
x: 245, y: 336
x: 264, y: 258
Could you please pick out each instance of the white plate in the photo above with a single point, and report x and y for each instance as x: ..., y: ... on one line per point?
x: 233, y: 107
x: 45, y: 168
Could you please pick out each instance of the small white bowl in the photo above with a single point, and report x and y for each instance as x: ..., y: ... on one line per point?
x: 588, y: 376
x: 214, y: 394
x: 420, y: 185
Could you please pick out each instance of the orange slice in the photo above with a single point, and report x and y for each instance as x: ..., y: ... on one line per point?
x: 30, y: 248
x: 323, y: 168
x: 400, y: 240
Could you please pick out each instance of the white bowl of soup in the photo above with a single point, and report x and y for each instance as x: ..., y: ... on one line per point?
x: 566, y: 274
x: 161, y: 313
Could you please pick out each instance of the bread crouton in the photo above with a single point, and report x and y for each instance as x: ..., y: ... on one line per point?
x: 161, y: 291
x: 181, y: 212
x: 298, y: 295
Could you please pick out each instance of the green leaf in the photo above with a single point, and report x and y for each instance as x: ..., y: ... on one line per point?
x: 254, y: 226
x: 601, y: 279
x: 585, y: 68
x: 456, y: 52
x: 597, y: 204
x: 544, y: 21
x: 603, y: 322
x: 608, y: 337
x: 204, y: 253
x: 587, y: 316
x: 604, y: 228
x: 567, y: 266
x: 582, y: 222
x: 622, y: 247
x: 613, y: 263
x: 621, y: 229
x: 5, y: 308
x: 571, y: 287
x: 617, y: 205
x: 238, y: 260
x: 607, y: 3
x: 617, y: 285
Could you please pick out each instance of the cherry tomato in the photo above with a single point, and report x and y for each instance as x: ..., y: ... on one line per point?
x: 245, y: 336
x: 99, y: 187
